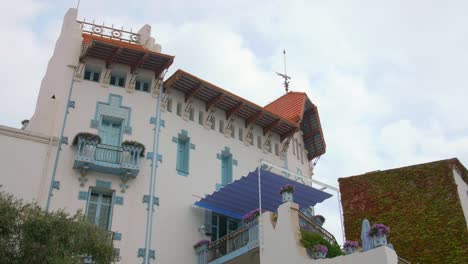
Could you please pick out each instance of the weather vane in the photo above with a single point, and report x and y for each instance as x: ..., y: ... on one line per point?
x: 285, y: 75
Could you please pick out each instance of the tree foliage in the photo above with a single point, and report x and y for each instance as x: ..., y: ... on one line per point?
x: 308, y: 239
x: 30, y: 235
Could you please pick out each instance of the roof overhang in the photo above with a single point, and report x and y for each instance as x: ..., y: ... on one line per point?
x: 116, y: 51
x: 212, y: 95
x: 241, y: 196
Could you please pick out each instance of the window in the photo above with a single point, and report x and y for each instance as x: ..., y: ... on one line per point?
x: 169, y: 104
x: 233, y: 131
x: 294, y: 146
x: 99, y: 208
x: 92, y: 73
x: 200, y: 118
x: 213, y: 123
x: 179, y: 109
x: 301, y: 153
x: 183, y: 148
x: 269, y: 145
x: 221, y: 126
x: 297, y: 148
x: 259, y: 142
x: 241, y: 134
x: 142, y: 85
x: 192, y: 114
x: 226, y: 169
x: 117, y: 79
x: 222, y: 225
x: 276, y: 149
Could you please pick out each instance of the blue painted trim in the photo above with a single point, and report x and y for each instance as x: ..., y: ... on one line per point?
x: 117, y: 252
x: 117, y: 236
x: 218, y: 156
x: 231, y: 255
x: 146, y: 199
x: 83, y: 196
x: 175, y: 140
x: 162, y: 123
x: 219, y: 186
x: 160, y: 157
x: 103, y: 184
x: 218, y: 210
x: 192, y: 146
x: 181, y: 173
x: 127, y: 129
x: 149, y: 155
x: 119, y: 200
x: 234, y: 162
x: 141, y: 253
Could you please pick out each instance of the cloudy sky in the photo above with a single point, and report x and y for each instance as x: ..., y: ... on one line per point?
x: 389, y: 77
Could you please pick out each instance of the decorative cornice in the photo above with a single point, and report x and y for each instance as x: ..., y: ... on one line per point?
x: 28, y: 135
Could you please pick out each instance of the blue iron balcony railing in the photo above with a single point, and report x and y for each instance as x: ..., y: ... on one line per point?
x: 123, y: 161
x: 231, y: 245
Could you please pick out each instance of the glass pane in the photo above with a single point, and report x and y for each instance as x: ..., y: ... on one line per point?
x: 96, y: 77
x: 91, y: 214
x: 104, y: 216
x: 121, y: 82
x: 112, y: 80
x: 106, y: 199
x: 87, y: 75
x: 146, y: 86
x: 94, y: 197
x: 137, y: 85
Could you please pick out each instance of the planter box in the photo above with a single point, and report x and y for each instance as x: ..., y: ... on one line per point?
x: 379, y: 240
x: 320, y: 255
x: 349, y: 250
x: 287, y: 197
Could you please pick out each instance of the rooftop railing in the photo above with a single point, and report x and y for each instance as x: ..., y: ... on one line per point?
x: 307, y: 224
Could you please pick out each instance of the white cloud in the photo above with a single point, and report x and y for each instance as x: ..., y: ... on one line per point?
x: 389, y: 77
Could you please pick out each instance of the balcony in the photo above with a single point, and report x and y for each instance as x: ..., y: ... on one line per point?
x: 241, y: 243
x: 91, y: 155
x: 307, y: 224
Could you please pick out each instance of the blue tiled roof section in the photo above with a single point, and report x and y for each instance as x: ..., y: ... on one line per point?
x: 241, y: 196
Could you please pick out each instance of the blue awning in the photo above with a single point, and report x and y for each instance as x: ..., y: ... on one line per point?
x: 241, y: 196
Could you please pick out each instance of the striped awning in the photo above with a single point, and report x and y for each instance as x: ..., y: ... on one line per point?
x: 241, y: 196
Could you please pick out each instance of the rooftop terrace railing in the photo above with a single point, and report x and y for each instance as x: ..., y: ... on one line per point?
x: 239, y: 242
x: 307, y: 224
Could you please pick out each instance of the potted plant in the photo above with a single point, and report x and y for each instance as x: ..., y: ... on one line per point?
x: 350, y: 246
x: 319, y: 219
x: 379, y: 233
x: 86, y: 136
x: 250, y: 216
x: 201, y: 243
x: 134, y: 144
x: 319, y: 251
x: 286, y: 192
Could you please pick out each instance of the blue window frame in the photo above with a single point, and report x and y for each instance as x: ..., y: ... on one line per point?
x: 142, y: 85
x: 99, y: 207
x: 183, y: 150
x: 226, y: 169
x: 222, y: 225
x: 92, y: 74
x: 117, y: 80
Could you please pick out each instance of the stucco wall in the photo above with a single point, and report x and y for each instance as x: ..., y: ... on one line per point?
x: 281, y: 243
x: 24, y: 158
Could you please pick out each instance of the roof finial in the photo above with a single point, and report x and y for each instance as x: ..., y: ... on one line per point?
x: 285, y: 75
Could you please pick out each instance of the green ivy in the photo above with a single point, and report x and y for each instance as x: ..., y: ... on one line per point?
x: 421, y: 205
x: 309, y: 239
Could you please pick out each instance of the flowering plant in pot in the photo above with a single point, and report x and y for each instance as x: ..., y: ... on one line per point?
x: 135, y: 144
x: 379, y: 233
x: 201, y: 243
x: 87, y: 136
x: 350, y: 246
x: 286, y: 192
x: 250, y: 216
x: 319, y: 219
x: 320, y: 251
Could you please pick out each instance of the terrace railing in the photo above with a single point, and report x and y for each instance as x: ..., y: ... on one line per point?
x: 307, y: 224
x: 243, y: 239
x: 107, y: 159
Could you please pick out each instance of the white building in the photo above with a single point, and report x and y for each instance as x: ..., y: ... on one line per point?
x: 110, y: 83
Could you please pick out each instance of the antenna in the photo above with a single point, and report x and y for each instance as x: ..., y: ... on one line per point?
x: 285, y: 75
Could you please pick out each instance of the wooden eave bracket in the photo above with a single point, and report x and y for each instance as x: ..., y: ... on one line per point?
x: 289, y: 134
x: 170, y: 83
x: 188, y: 95
x: 254, y: 118
x: 234, y: 110
x: 85, y: 49
x: 271, y: 126
x: 214, y: 101
x: 113, y: 57
x: 139, y: 62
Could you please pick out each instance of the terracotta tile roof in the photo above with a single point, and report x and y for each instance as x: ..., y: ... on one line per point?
x: 88, y: 38
x: 289, y: 106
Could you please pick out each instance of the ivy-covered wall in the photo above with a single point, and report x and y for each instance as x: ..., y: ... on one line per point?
x: 421, y: 205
